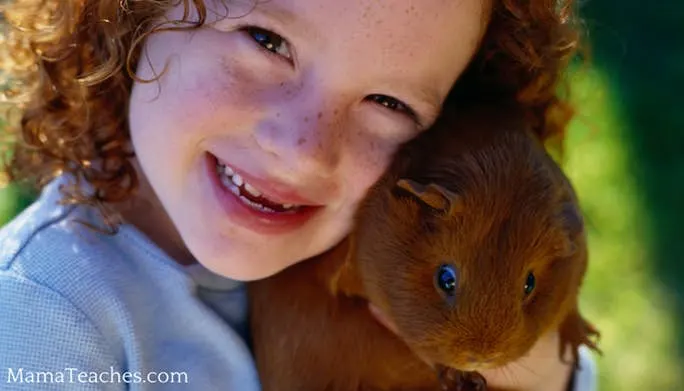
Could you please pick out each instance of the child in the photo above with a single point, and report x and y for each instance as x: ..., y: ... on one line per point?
x: 185, y: 146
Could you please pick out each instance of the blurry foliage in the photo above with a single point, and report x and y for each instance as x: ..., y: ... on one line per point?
x: 630, y: 305
x: 631, y: 171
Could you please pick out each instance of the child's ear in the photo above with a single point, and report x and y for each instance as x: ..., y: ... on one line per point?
x: 433, y: 195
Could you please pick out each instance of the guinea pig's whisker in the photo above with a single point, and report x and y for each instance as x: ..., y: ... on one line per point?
x: 525, y: 367
x: 509, y: 375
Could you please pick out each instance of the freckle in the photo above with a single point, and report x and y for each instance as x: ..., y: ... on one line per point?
x: 282, y: 83
x: 320, y: 114
x: 335, y: 112
x: 301, y: 140
x: 278, y: 114
x: 306, y: 119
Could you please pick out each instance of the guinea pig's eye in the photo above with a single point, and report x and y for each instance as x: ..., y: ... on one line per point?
x: 529, y: 284
x: 447, y: 279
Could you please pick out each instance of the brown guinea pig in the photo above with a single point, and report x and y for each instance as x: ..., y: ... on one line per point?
x: 471, y: 246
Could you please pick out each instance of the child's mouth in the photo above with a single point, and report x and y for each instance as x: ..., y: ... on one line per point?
x: 248, y: 194
x: 260, y: 205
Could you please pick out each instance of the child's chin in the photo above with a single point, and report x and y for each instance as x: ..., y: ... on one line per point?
x: 243, y: 270
x: 239, y: 262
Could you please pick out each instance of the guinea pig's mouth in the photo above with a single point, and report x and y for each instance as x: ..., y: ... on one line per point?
x: 474, y: 367
x: 460, y: 361
x: 460, y: 365
x: 464, y: 362
x: 474, y: 363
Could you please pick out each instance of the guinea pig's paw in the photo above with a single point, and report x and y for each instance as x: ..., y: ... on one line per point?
x: 449, y: 378
x: 475, y: 382
x: 576, y: 331
x: 455, y: 380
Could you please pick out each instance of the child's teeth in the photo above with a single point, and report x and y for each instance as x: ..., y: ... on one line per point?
x: 255, y: 205
x: 251, y: 190
x: 230, y: 185
x: 234, y: 183
x: 237, y: 179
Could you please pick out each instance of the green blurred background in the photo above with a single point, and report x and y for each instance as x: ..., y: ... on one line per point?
x: 623, y: 155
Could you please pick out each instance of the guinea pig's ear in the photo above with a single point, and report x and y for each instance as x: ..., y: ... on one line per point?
x: 572, y: 219
x: 573, y: 223
x: 433, y: 195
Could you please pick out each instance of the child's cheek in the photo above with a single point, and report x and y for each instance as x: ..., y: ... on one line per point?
x: 367, y: 156
x: 212, y: 82
x: 229, y: 75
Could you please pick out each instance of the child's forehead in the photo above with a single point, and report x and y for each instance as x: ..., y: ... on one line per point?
x: 426, y: 43
x: 404, y: 21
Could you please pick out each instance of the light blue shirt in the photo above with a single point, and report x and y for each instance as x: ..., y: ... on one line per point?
x: 82, y: 310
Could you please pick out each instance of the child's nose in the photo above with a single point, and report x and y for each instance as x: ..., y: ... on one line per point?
x: 308, y: 138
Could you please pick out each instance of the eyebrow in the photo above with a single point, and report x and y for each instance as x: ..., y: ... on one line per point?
x: 283, y: 16
x: 268, y: 7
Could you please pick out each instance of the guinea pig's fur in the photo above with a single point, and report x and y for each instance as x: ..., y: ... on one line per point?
x: 480, y: 196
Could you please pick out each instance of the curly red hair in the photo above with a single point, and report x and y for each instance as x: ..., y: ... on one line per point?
x: 68, y: 67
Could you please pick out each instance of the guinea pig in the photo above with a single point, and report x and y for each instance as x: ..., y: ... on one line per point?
x: 470, y: 247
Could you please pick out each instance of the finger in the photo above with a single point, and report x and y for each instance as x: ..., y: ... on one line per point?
x: 540, y: 369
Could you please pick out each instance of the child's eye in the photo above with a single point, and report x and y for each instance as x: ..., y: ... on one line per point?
x: 270, y: 41
x: 392, y: 104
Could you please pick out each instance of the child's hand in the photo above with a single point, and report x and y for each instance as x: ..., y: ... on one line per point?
x: 540, y: 370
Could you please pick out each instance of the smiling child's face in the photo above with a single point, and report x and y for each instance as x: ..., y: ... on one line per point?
x: 301, y: 101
